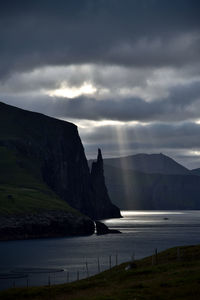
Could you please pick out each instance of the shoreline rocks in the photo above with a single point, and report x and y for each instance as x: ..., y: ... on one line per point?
x: 44, y: 225
x: 101, y: 229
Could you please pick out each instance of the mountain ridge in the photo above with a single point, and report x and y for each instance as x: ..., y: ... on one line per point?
x: 151, y: 185
x: 148, y: 163
x: 134, y: 190
x: 195, y: 171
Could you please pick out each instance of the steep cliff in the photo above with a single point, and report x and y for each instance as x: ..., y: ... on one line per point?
x: 39, y: 156
x: 104, y: 207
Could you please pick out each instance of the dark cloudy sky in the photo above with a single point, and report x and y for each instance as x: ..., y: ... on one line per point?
x: 127, y: 72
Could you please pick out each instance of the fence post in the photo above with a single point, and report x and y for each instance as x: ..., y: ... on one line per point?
x: 67, y: 276
x: 133, y: 257
x: 110, y: 261
x: 116, y: 261
x: 87, y: 270
x: 98, y: 265
x: 156, y: 256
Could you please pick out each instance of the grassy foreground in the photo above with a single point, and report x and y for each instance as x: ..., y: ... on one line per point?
x: 175, y: 276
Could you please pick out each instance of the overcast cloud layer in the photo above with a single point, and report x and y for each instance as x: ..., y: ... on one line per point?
x: 126, y: 72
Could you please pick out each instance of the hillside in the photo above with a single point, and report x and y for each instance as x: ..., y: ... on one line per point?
x: 151, y: 181
x: 148, y: 163
x: 22, y: 188
x: 174, y: 275
x: 29, y: 208
x: 43, y: 169
x: 136, y: 190
x: 196, y: 171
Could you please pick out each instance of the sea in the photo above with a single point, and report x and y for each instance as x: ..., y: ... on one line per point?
x: 60, y: 260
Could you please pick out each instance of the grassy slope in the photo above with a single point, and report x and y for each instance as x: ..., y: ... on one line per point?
x: 169, y: 279
x: 22, y: 189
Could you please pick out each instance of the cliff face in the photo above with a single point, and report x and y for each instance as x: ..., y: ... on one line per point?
x: 104, y: 207
x: 58, y: 155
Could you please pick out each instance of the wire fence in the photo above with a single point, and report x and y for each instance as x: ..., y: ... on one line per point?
x: 27, y: 277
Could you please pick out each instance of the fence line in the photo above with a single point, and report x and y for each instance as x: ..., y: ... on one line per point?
x: 77, y: 274
x: 52, y: 278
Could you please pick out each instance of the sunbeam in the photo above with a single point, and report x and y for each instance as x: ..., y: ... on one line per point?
x: 122, y: 140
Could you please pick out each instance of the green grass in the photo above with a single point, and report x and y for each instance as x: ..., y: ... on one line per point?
x: 15, y: 200
x: 22, y: 189
x: 170, y: 278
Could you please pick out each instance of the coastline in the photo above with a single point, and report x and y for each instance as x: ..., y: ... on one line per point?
x: 173, y: 275
x: 45, y: 224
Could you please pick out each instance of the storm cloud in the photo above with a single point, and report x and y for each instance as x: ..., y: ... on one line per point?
x: 182, y: 103
x: 179, y: 141
x: 130, y: 68
x: 134, y: 32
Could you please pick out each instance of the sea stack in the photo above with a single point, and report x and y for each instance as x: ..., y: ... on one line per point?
x: 104, y: 207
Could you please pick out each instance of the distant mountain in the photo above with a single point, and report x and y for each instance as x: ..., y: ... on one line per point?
x: 131, y: 190
x: 148, y: 163
x: 196, y: 171
x: 151, y: 181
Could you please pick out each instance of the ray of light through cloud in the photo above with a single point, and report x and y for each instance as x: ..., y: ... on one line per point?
x: 127, y: 73
x: 122, y: 141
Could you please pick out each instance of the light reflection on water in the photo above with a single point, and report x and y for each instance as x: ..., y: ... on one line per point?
x: 155, y: 218
x: 131, y: 213
x: 142, y: 232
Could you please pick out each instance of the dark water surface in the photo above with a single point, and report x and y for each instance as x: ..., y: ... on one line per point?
x: 49, y: 261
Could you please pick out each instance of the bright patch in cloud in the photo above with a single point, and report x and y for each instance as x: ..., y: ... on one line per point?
x: 194, y: 152
x: 66, y: 91
x: 90, y: 124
